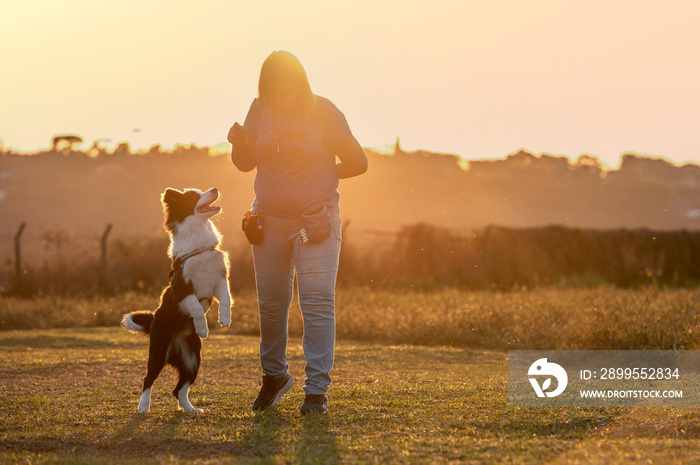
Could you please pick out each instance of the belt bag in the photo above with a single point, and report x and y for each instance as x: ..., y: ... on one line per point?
x: 317, y: 226
x: 252, y: 226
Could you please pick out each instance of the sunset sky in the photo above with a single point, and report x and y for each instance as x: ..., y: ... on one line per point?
x: 480, y: 79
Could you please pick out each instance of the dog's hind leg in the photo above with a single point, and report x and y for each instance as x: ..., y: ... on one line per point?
x: 182, y: 395
x: 145, y: 402
x: 157, y: 355
x: 186, y: 359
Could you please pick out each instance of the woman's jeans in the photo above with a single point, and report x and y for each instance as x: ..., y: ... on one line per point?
x: 276, y: 258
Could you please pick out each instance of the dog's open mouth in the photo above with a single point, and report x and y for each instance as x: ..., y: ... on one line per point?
x: 208, y: 207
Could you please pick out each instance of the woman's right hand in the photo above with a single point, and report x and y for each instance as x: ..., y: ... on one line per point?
x: 242, y: 150
x: 236, y: 135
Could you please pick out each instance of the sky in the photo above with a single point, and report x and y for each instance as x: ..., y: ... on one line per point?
x: 480, y: 79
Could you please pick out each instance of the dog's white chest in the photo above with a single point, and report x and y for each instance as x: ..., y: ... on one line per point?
x: 205, y: 272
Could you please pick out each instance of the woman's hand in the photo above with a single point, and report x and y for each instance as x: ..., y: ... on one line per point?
x: 242, y: 150
x: 236, y: 135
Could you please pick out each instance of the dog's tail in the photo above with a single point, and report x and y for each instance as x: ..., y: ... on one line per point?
x: 138, y: 322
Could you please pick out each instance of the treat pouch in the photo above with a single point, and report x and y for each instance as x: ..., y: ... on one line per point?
x: 317, y: 226
x: 252, y: 226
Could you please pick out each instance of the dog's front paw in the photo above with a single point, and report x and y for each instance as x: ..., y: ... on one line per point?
x: 200, y: 327
x: 202, y: 332
x: 225, y: 306
x: 225, y: 320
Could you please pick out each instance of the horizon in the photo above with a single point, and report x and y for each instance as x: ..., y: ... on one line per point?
x: 478, y: 80
x: 223, y: 149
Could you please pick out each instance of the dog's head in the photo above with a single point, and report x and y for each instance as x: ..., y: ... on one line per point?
x: 191, y: 203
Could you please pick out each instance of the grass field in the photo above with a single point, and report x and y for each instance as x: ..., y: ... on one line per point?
x: 400, y: 394
x: 70, y: 396
x: 541, y: 318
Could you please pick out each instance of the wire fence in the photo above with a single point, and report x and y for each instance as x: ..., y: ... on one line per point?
x: 419, y: 256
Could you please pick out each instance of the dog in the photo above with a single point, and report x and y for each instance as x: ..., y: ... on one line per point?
x: 200, y: 273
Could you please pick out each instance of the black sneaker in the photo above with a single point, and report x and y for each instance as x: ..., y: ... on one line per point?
x: 314, y: 403
x: 273, y: 387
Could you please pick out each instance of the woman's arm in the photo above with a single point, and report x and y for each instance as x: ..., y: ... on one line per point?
x: 353, y: 161
x: 242, y: 148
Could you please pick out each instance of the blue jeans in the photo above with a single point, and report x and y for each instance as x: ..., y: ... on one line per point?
x: 276, y: 259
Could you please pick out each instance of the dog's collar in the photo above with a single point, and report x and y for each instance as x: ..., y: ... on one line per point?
x: 179, y: 262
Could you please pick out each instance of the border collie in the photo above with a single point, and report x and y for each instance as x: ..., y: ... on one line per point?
x: 200, y: 273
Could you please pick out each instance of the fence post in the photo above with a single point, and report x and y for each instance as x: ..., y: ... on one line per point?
x: 103, y: 258
x: 18, y: 260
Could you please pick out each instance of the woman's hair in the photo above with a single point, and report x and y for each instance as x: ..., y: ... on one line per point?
x: 281, y: 64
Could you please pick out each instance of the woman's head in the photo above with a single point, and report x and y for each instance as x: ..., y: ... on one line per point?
x: 283, y: 84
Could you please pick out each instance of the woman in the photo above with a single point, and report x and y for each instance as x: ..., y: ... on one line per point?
x: 293, y: 138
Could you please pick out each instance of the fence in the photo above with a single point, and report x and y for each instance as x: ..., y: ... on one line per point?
x: 417, y: 256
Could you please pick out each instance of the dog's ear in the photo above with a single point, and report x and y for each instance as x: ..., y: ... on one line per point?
x: 170, y: 195
x: 169, y: 200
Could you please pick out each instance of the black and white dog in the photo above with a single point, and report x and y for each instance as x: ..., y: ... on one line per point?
x: 200, y: 273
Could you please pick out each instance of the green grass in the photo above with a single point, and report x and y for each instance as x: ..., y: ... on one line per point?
x: 70, y: 396
x: 543, y: 318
